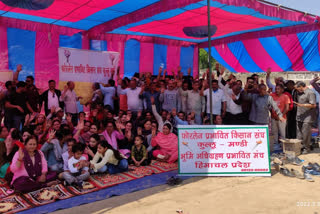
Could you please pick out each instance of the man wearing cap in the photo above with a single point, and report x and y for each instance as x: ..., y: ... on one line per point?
x: 56, y: 112
x: 51, y: 98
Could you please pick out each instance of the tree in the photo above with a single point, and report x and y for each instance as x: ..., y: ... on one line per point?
x: 203, y: 59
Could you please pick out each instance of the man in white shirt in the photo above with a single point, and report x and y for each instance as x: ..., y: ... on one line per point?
x: 218, y: 99
x: 70, y: 99
x: 234, y: 114
x: 51, y: 98
x: 133, y: 96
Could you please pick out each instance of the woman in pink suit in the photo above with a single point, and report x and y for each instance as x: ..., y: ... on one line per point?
x: 112, y: 136
x: 29, y: 168
x: 167, y: 144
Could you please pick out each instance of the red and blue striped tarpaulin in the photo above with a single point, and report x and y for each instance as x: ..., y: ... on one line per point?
x: 292, y: 52
x: 251, y: 35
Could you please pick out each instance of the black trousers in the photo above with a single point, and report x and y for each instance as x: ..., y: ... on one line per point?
x: 234, y: 119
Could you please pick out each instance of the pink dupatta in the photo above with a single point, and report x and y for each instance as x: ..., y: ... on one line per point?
x: 168, y: 144
x: 114, y: 143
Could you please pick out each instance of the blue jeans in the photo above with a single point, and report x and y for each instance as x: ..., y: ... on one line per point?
x: 103, y: 169
x: 121, y: 167
x: 198, y: 119
x: 16, y: 121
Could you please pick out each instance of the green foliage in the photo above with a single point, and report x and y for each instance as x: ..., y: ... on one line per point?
x: 203, y: 59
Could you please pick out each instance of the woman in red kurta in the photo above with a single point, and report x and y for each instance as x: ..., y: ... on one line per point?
x: 167, y: 143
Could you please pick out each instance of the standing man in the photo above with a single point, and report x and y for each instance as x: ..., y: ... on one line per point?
x: 70, y: 99
x: 219, y: 102
x: 194, y: 101
x: 18, y: 105
x: 108, y: 93
x: 33, y: 95
x: 147, y: 94
x: 170, y: 98
x: 306, y: 114
x: 278, y: 80
x: 51, y: 98
x: 316, y: 87
x: 134, y: 95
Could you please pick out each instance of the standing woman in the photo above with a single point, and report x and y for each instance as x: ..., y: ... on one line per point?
x: 29, y: 168
x: 111, y: 160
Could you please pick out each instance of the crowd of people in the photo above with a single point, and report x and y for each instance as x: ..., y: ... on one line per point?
x: 134, y: 121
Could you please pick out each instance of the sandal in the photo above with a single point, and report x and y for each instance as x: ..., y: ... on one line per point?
x: 174, y: 181
x: 308, y: 177
x: 297, y: 174
x: 286, y: 172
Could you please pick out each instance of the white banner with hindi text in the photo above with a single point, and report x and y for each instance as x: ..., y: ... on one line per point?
x: 85, y: 67
x: 224, y: 150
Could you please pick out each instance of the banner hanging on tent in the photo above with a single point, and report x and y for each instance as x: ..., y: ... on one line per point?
x: 85, y: 67
x: 224, y: 150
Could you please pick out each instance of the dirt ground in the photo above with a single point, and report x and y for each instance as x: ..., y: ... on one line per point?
x: 202, y: 195
x: 276, y: 194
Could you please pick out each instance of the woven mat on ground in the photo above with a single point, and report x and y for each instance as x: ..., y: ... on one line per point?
x: 20, y: 202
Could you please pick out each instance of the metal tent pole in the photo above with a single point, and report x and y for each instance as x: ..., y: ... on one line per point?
x: 209, y: 61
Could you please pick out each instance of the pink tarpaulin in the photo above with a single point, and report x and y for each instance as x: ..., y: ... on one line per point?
x: 260, y: 55
x: 85, y: 42
x: 3, y: 49
x: 46, y: 59
x: 230, y: 59
x: 224, y: 26
x: 291, y: 46
x: 146, y: 57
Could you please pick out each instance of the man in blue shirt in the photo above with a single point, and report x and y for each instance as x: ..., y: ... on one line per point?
x: 108, y: 93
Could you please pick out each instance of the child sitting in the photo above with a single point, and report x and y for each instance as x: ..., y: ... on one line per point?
x: 78, y: 167
x: 66, y: 156
x: 139, y: 153
x: 108, y: 159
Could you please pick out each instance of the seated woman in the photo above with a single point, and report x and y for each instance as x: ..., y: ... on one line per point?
x: 4, y: 164
x: 53, y: 149
x: 92, y: 146
x: 110, y: 160
x: 167, y: 143
x: 29, y: 168
x: 121, y: 122
x: 146, y: 130
x: 129, y: 135
x: 39, y: 119
x: 112, y: 136
x: 148, y: 139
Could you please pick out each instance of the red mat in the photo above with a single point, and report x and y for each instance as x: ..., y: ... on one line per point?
x: 17, y: 202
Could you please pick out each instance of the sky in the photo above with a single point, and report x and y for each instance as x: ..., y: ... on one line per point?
x: 309, y: 6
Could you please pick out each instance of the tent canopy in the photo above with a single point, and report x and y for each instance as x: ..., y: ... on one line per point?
x: 250, y: 36
x: 156, y: 18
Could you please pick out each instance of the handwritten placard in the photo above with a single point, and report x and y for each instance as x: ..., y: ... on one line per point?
x: 224, y: 150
